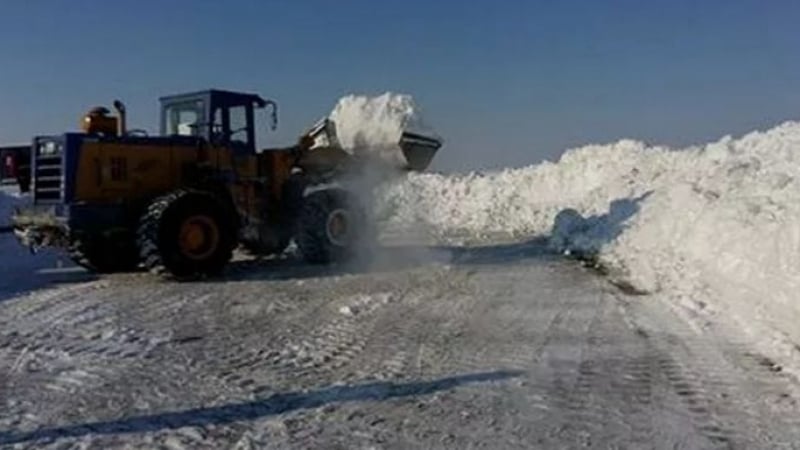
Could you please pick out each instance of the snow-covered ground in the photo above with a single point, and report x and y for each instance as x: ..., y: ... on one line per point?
x: 9, y: 198
x: 20, y: 270
x: 714, y: 227
x: 521, y: 352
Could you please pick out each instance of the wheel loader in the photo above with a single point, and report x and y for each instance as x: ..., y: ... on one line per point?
x: 180, y: 203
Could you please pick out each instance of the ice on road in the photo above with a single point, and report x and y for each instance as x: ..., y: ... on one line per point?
x: 490, y: 347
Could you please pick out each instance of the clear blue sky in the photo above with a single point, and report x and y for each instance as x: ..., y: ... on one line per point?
x: 506, y: 82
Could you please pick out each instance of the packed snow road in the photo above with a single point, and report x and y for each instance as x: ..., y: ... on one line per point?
x: 493, y: 347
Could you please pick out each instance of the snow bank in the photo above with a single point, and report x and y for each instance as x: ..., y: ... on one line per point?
x: 8, y: 201
x: 709, y: 224
x: 17, y: 264
x: 372, y: 126
x: 520, y: 202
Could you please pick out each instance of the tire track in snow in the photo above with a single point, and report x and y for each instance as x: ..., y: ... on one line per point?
x: 391, y: 348
x: 702, y: 373
x: 412, y: 327
x: 324, y: 339
x: 483, y: 313
x: 695, y: 385
x: 38, y: 302
x: 322, y: 350
x: 372, y: 336
x: 65, y: 342
x: 627, y: 372
x: 581, y: 420
x: 78, y: 328
x: 697, y: 400
x: 639, y: 374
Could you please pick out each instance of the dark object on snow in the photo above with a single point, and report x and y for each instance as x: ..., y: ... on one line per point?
x: 15, y: 166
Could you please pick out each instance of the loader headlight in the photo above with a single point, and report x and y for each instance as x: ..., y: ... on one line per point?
x: 49, y: 148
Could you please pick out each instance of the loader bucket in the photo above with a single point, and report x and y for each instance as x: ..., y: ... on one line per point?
x: 418, y: 150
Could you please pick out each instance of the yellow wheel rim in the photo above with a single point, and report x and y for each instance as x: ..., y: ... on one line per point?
x: 198, y: 237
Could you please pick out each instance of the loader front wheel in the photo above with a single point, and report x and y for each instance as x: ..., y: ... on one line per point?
x: 186, y: 235
x: 331, y: 227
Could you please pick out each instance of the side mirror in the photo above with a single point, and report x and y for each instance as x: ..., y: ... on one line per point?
x: 274, y: 116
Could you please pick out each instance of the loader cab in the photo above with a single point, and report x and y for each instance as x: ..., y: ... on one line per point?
x: 220, y: 117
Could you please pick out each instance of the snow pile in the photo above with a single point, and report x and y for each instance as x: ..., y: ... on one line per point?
x: 715, y: 221
x: 524, y: 201
x: 728, y: 209
x: 17, y: 264
x: 372, y: 126
x: 8, y: 201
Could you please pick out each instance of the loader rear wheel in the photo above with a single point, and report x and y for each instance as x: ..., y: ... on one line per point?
x: 331, y: 227
x: 105, y: 256
x: 186, y: 235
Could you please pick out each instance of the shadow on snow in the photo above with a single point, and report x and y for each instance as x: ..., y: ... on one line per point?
x: 273, y: 405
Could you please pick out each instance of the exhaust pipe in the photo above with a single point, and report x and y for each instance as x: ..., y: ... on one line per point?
x: 122, y: 126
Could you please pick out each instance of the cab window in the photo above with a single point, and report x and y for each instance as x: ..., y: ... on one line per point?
x: 238, y: 123
x: 185, y: 119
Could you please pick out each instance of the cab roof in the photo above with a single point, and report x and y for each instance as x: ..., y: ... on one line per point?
x: 217, y: 97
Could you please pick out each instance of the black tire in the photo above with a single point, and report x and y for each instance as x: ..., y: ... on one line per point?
x: 292, y: 199
x: 314, y: 237
x: 162, y: 235
x: 103, y: 256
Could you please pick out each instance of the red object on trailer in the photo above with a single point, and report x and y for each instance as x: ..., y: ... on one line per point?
x: 15, y: 166
x: 10, y: 167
